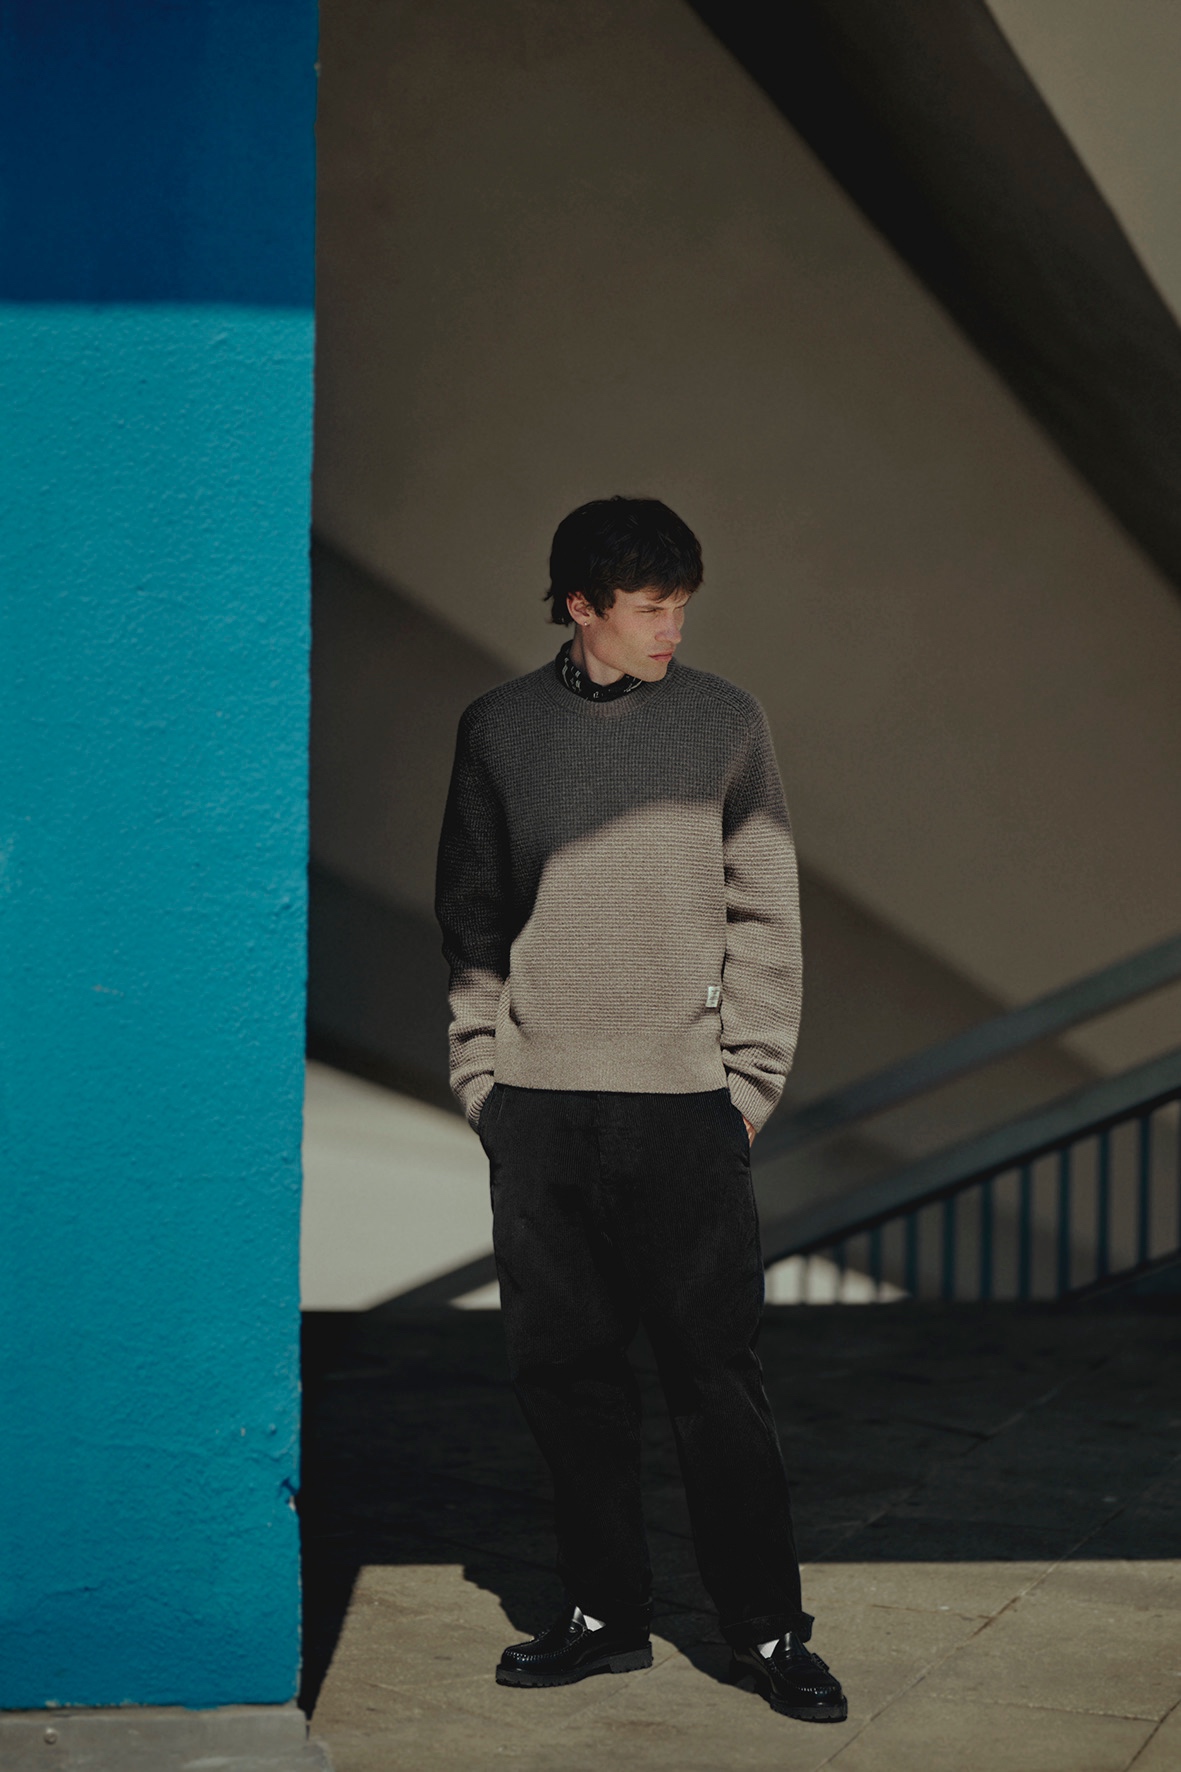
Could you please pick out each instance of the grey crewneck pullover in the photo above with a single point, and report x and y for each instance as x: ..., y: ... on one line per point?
x: 617, y: 893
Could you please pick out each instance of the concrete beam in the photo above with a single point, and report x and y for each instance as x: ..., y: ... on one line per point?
x: 926, y: 116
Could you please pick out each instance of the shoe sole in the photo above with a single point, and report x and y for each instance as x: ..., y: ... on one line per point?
x: 628, y: 1663
x: 742, y: 1675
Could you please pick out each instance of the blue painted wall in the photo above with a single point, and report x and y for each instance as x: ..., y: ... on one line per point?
x: 156, y: 340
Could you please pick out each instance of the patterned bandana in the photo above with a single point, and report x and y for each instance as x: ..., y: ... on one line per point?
x: 579, y: 683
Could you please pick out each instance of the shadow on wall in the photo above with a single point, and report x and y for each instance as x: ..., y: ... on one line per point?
x: 377, y: 989
x: 389, y: 684
x: 922, y: 1433
x: 390, y: 681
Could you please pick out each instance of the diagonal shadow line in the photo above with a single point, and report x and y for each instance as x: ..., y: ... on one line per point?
x: 442, y: 1290
x: 949, y: 1654
x: 448, y: 1400
x: 927, y: 117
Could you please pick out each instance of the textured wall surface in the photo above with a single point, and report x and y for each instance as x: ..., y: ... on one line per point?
x: 157, y: 338
x: 571, y: 251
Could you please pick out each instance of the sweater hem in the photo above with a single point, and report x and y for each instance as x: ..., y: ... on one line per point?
x: 657, y: 1071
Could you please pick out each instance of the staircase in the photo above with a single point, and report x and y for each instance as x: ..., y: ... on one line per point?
x: 1075, y: 1197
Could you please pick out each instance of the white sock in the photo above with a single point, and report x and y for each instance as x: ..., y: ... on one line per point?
x: 585, y: 1618
x: 765, y: 1649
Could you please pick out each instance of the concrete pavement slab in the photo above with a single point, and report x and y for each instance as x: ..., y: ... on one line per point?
x: 1162, y: 1751
x: 962, y: 1635
x: 1054, y: 1650
x: 972, y: 1590
x: 941, y: 1734
x: 1145, y: 1585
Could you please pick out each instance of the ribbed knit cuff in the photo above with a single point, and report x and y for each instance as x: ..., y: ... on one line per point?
x: 474, y: 1094
x: 750, y: 1100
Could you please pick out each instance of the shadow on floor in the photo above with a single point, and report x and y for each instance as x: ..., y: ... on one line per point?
x: 912, y: 1433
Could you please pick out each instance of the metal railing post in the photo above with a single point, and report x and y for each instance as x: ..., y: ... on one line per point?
x: 986, y: 1239
x: 1024, y: 1230
x: 1064, y: 1202
x: 1103, y: 1206
x: 1144, y: 1187
x: 949, y: 1248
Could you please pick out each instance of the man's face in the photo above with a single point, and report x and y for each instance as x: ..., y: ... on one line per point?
x: 638, y: 634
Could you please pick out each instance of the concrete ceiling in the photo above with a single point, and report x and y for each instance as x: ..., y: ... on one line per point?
x: 1111, y: 74
x: 926, y: 117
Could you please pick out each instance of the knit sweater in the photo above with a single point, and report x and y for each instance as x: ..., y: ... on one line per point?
x: 617, y: 893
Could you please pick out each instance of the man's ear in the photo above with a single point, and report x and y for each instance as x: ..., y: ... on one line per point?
x: 579, y: 608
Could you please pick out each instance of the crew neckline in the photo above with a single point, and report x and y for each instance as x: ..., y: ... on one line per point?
x: 615, y: 708
x: 580, y: 682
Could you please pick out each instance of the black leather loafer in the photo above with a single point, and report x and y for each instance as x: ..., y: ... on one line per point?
x: 568, y: 1651
x: 794, y: 1682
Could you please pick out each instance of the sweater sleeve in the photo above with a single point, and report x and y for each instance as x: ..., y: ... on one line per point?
x: 763, y: 979
x: 472, y: 895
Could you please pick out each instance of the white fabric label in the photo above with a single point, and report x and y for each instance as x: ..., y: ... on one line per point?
x: 713, y: 996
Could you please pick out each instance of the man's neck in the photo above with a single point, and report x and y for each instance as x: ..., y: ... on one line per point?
x: 586, y: 661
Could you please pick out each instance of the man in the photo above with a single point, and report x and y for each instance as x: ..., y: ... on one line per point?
x: 617, y: 893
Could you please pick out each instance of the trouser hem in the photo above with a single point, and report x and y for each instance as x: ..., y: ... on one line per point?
x: 772, y: 1624
x: 632, y: 1617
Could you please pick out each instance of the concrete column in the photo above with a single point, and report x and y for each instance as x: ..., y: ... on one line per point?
x: 156, y: 319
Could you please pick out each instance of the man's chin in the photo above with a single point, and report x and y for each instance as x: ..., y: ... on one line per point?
x: 655, y: 669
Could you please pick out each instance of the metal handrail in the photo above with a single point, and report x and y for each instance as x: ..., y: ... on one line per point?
x: 999, y: 1037
x: 1056, y: 1129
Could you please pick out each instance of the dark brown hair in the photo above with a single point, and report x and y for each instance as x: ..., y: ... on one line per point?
x: 620, y: 544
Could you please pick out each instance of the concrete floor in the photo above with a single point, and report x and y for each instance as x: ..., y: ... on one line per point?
x: 988, y: 1508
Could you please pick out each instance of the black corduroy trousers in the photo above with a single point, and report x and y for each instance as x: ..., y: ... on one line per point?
x: 610, y: 1210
